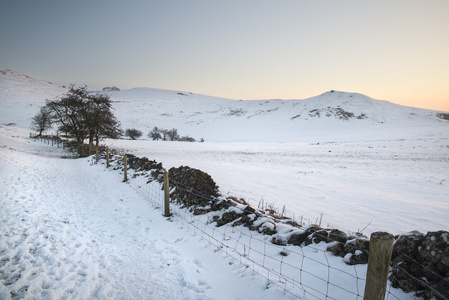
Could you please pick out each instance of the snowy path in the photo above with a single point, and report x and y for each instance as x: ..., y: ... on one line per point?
x: 70, y: 231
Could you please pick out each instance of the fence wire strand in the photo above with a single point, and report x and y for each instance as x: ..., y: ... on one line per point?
x: 256, y: 252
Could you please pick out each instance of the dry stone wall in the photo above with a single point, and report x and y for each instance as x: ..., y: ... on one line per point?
x: 420, y: 262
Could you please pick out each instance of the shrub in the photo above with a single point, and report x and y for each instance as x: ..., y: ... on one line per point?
x: 169, y: 135
x: 133, y: 133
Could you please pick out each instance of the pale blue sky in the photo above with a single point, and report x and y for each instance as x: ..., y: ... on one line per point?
x: 396, y: 50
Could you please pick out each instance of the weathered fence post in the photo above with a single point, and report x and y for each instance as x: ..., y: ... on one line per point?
x: 166, y: 196
x: 380, y: 250
x: 126, y: 169
x: 107, y: 157
x: 96, y: 157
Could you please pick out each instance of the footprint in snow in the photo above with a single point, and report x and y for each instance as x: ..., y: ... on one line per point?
x: 20, y: 293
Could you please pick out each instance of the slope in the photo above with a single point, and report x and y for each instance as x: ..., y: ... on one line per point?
x: 72, y: 230
x: 21, y: 96
x: 331, y: 116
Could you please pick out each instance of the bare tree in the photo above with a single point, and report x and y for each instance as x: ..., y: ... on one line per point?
x: 133, y: 133
x: 164, y: 133
x: 42, y: 120
x: 155, y: 134
x: 100, y: 120
x: 83, y: 115
x: 173, y: 134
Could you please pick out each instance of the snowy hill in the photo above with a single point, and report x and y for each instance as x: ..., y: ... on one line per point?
x: 73, y: 229
x: 329, y: 116
x: 21, y: 96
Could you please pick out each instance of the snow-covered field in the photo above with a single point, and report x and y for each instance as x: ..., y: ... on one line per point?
x: 385, y: 185
x: 69, y: 229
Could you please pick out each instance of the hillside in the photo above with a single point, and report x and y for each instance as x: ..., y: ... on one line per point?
x: 21, y: 96
x: 340, y: 160
x: 331, y: 115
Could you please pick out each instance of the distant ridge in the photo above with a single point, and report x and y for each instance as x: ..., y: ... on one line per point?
x: 328, y: 116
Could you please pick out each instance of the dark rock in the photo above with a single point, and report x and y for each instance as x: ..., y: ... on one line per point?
x: 267, y: 229
x: 434, y: 253
x: 421, y: 264
x: 439, y: 290
x: 337, y: 236
x: 277, y: 240
x: 359, y: 257
x: 325, y: 235
x: 220, y: 205
x: 357, y: 247
x: 293, y: 223
x: 249, y: 210
x: 337, y: 249
x: 228, y: 217
x: 245, y: 220
x: 357, y: 244
x: 201, y: 211
x: 318, y: 236
x: 297, y: 238
x: 193, y: 187
x: 406, y: 244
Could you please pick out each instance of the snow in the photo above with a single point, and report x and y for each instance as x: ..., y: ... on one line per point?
x: 71, y: 229
x: 386, y: 185
x: 21, y: 97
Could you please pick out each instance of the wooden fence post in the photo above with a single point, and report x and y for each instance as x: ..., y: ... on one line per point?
x: 126, y: 169
x: 107, y: 157
x: 380, y: 250
x: 96, y: 158
x: 166, y: 196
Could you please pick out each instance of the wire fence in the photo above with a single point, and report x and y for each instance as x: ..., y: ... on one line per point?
x: 310, y: 272
x: 302, y: 272
x: 434, y: 291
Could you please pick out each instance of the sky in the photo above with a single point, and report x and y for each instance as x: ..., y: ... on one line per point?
x: 239, y: 49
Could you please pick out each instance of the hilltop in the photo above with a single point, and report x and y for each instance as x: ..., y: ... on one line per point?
x: 329, y: 116
x: 338, y: 160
